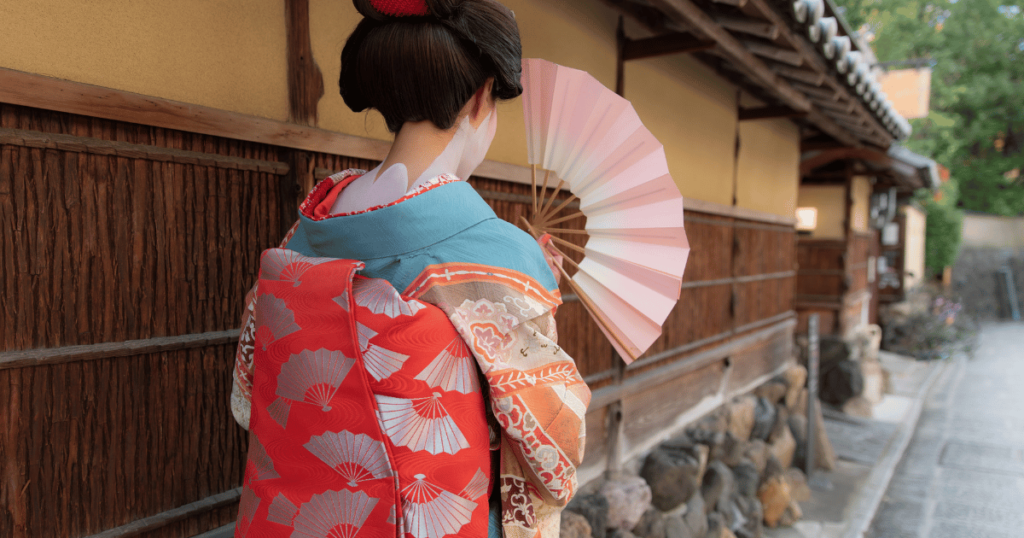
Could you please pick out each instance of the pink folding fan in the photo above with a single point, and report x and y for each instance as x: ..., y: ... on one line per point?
x: 592, y: 141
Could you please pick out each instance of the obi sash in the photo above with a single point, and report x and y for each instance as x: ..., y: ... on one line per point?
x: 367, y: 414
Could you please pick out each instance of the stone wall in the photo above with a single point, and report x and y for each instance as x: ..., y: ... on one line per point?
x: 980, y: 286
x: 728, y: 475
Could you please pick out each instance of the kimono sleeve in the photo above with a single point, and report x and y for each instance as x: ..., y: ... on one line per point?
x: 536, y: 392
x: 241, y: 377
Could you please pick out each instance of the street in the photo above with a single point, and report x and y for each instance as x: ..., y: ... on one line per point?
x: 963, y: 473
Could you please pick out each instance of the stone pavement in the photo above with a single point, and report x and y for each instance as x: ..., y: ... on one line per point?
x: 963, y: 474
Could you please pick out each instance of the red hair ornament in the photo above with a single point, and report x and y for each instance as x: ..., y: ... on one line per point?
x: 401, y: 8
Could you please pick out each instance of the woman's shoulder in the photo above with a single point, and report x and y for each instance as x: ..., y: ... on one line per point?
x: 499, y: 243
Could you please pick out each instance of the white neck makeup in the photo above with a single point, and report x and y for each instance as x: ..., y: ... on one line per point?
x: 460, y: 157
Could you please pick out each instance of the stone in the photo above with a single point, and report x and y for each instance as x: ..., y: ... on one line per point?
x: 747, y: 478
x: 798, y: 488
x: 718, y: 486
x: 652, y: 524
x: 840, y: 381
x: 858, y: 406
x: 741, y: 417
x: 575, y: 526
x: 726, y: 533
x: 620, y: 533
x: 791, y: 515
x: 772, y: 469
x: 875, y: 380
x: 675, y: 527
x: 824, y: 454
x: 781, y: 423
x: 593, y: 507
x: 674, y: 474
x: 757, y: 452
x: 799, y: 406
x: 729, y: 451
x: 773, y: 391
x: 798, y: 427
x: 784, y: 447
x: 707, y: 438
x: 832, y: 349
x: 695, y: 517
x: 764, y: 419
x: 628, y: 498
x: 775, y: 499
x: 716, y: 525
x: 715, y: 421
x: 796, y: 381
x: 748, y: 523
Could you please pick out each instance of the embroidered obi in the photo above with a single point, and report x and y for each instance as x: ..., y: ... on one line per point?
x: 367, y: 417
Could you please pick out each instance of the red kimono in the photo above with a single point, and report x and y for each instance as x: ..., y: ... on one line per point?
x: 367, y: 413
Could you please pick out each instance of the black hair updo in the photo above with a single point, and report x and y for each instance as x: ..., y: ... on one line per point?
x: 416, y: 68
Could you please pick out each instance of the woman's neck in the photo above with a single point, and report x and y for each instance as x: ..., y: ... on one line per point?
x: 421, y: 148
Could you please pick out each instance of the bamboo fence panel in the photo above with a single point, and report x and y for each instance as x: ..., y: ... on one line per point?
x: 116, y: 232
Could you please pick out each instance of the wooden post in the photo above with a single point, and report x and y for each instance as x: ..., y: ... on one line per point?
x: 812, y: 392
x: 305, y: 83
x: 620, y: 63
x: 615, y: 434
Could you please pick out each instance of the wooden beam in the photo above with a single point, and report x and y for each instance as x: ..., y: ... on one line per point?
x: 753, y: 27
x: 305, y: 83
x: 803, y: 75
x: 107, y: 350
x: 734, y: 3
x: 37, y: 91
x: 876, y: 157
x: 651, y: 47
x: 815, y: 145
x: 845, y: 107
x: 816, y: 92
x: 769, y: 112
x: 94, y: 146
x: 773, y: 52
x: 637, y: 383
x: 163, y: 519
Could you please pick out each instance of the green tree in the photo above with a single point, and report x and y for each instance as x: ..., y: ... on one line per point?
x: 976, y: 49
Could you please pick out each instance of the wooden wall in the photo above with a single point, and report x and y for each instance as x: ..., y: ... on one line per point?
x: 126, y: 251
x: 833, y: 281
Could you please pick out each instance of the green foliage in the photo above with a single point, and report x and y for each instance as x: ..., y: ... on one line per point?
x: 941, y: 236
x: 976, y: 127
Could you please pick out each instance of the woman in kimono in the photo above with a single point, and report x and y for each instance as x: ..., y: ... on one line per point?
x: 437, y: 339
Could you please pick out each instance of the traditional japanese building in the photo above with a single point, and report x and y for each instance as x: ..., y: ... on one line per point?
x: 149, y: 151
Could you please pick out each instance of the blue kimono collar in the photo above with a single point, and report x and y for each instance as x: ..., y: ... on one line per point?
x: 410, y: 225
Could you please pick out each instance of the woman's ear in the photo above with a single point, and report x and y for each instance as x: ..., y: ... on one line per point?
x: 482, y: 103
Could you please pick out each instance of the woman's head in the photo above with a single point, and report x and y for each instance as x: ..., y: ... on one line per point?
x: 427, y: 67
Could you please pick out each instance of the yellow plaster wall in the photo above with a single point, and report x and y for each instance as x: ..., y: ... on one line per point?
x: 692, y: 111
x: 913, y: 246
x: 831, y: 209
x: 231, y: 55
x: 860, y: 211
x: 768, y: 170
x: 226, y: 54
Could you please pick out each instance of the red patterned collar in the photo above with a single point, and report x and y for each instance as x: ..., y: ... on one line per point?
x: 329, y: 188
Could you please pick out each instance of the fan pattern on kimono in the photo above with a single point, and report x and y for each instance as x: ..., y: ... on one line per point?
x: 371, y: 397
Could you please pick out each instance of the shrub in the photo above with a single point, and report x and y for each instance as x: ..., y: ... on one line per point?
x: 942, y: 236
